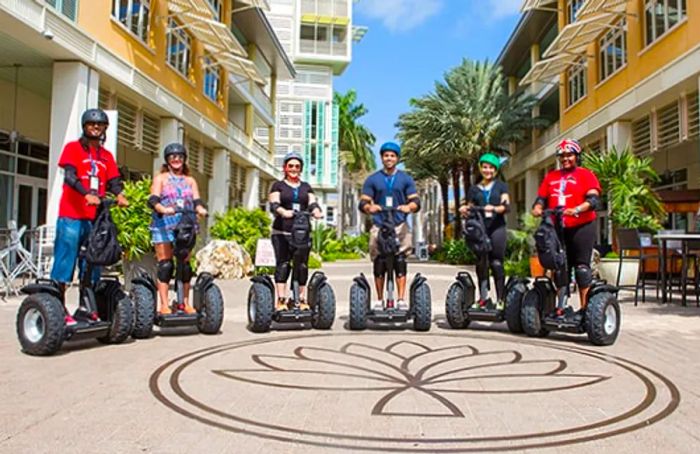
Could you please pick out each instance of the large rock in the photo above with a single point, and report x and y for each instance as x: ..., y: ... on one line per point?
x: 224, y: 259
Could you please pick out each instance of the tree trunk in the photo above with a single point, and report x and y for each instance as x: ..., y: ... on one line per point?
x: 457, y: 197
x: 467, y: 173
x: 444, y: 183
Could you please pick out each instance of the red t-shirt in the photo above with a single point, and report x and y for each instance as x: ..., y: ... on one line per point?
x: 570, y: 189
x: 100, y: 162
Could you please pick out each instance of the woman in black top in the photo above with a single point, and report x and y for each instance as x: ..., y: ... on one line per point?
x: 492, y: 194
x: 288, y: 196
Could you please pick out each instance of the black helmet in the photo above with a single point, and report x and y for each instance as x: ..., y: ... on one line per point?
x: 94, y: 116
x: 293, y: 155
x: 174, y: 148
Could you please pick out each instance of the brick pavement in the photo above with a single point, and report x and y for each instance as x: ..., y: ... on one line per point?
x: 381, y: 390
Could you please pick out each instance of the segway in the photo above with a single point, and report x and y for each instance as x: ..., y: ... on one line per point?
x: 420, y: 308
x: 461, y: 296
x: 320, y: 295
x: 545, y: 306
x: 207, y: 299
x: 104, y: 311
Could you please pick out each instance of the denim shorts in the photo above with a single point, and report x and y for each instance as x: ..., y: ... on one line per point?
x: 70, y: 234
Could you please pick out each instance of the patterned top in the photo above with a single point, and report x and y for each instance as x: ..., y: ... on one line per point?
x: 176, y: 193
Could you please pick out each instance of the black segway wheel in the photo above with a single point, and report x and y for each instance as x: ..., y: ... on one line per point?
x: 260, y: 308
x: 211, y: 314
x: 514, y: 300
x: 41, y: 324
x: 422, y: 308
x: 122, y: 318
x: 324, y: 312
x: 603, y: 319
x: 531, y: 315
x: 144, y: 311
x: 358, y: 307
x: 454, y: 310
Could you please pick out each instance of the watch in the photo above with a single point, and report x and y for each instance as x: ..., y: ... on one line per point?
x: 577, y: 211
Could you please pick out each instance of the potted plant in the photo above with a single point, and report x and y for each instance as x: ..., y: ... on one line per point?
x: 627, y: 182
x: 133, y: 224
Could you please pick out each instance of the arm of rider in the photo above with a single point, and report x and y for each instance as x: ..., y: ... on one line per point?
x: 368, y: 205
x: 277, y: 209
x: 154, y: 199
x: 413, y: 204
x: 199, y: 207
x: 591, y: 202
x: 316, y: 212
x: 503, y: 207
x: 116, y: 187
x: 538, y: 207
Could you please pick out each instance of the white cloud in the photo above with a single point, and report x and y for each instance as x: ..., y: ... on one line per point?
x: 400, y: 15
x: 501, y: 8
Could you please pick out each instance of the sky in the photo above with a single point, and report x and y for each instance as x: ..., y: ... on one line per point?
x: 412, y: 43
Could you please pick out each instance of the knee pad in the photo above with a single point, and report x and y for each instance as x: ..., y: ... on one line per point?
x: 282, y: 272
x: 303, y: 273
x: 379, y: 267
x: 187, y: 272
x: 584, y: 276
x: 497, y: 268
x: 165, y: 270
x: 400, y: 265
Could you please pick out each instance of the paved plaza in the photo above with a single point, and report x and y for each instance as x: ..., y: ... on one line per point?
x: 387, y: 389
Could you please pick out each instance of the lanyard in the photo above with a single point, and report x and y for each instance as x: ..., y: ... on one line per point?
x: 296, y: 194
x: 93, y: 163
x: 389, y: 182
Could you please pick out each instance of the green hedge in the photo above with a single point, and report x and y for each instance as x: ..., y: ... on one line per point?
x: 242, y: 226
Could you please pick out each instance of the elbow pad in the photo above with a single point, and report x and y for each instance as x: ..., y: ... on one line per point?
x: 153, y: 200
x: 115, y: 185
x: 273, y: 208
x: 593, y: 200
x: 415, y: 200
x: 540, y: 201
x: 506, y: 205
x: 199, y: 203
x: 72, y: 180
x: 362, y: 205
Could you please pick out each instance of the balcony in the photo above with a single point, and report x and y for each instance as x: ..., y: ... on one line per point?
x: 325, y: 8
x: 323, y: 48
x: 547, y: 135
x: 252, y: 93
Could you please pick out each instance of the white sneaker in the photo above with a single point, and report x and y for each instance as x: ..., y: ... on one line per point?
x: 378, y: 305
x: 402, y: 305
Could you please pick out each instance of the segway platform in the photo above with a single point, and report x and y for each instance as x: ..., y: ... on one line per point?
x: 486, y: 315
x: 293, y: 316
x: 175, y: 320
x: 391, y: 315
x: 87, y: 330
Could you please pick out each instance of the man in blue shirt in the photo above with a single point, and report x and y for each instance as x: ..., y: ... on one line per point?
x: 390, y: 188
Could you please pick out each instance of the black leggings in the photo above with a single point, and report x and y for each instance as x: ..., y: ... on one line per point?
x: 579, y: 242
x: 494, y: 261
x: 284, y: 253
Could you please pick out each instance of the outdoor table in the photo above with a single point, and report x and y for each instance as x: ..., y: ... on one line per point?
x: 684, y: 238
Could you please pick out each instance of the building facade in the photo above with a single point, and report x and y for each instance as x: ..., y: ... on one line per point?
x: 610, y: 73
x: 318, y: 35
x: 201, y: 72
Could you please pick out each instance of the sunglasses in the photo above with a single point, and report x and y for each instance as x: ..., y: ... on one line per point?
x: 293, y: 166
x: 176, y: 157
x: 567, y: 156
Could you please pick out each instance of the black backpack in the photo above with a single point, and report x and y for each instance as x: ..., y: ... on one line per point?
x: 387, y: 239
x: 301, y: 232
x: 102, y: 247
x: 476, y: 236
x: 185, y: 235
x: 549, y: 247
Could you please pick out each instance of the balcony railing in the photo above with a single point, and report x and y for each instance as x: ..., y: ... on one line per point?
x: 237, y: 133
x: 310, y: 46
x: 263, y: 100
x: 548, y: 135
x: 333, y: 8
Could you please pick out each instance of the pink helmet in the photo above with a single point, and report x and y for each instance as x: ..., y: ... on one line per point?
x: 569, y: 146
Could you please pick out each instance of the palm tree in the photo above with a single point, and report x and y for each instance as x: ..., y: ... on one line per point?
x: 355, y: 140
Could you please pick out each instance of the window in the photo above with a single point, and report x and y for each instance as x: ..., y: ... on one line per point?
x: 217, y: 8
x: 613, y: 50
x: 662, y: 15
x: 134, y: 15
x: 572, y: 8
x: 577, y: 81
x: 179, y: 48
x: 212, y: 79
x: 68, y: 8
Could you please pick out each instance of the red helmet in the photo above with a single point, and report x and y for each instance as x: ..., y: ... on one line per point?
x: 569, y: 146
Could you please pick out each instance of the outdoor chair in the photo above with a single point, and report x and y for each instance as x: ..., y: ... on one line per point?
x: 692, y: 251
x: 42, y: 249
x: 629, y: 240
x: 16, y: 260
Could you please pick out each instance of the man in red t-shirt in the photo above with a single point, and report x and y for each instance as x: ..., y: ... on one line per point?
x: 90, y: 171
x: 577, y: 190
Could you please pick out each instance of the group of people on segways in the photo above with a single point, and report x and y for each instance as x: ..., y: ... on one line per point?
x: 86, y: 236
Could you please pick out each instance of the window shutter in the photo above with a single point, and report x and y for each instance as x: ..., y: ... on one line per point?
x: 693, y: 115
x: 641, y: 136
x: 669, y: 126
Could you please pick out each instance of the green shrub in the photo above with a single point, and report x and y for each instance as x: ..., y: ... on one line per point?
x: 325, y: 241
x: 519, y: 268
x: 133, y: 222
x: 242, y: 226
x: 455, y: 252
x: 612, y: 255
x: 333, y: 256
x: 314, y: 262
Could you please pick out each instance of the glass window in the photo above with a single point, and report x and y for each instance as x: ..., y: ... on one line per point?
x: 308, y: 32
x: 662, y: 15
x: 217, y: 8
x: 179, y: 48
x: 212, y: 79
x: 613, y: 50
x: 68, y: 8
x: 135, y: 15
x: 572, y: 8
x: 577, y: 81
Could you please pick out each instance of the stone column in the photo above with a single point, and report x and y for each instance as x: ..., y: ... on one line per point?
x: 252, y: 185
x: 532, y: 184
x: 219, y: 183
x: 619, y: 135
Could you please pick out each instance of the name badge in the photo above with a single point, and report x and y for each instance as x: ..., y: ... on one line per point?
x: 561, y: 201
x: 488, y: 214
x: 389, y: 201
x: 296, y: 207
x: 94, y: 183
x: 180, y: 203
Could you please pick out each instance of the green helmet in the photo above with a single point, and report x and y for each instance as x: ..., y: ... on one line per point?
x: 490, y: 158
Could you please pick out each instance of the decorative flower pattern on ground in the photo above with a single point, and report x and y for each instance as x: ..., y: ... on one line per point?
x: 429, y: 374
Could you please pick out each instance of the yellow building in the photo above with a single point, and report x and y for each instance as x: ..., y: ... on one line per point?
x: 621, y: 73
x: 202, y: 72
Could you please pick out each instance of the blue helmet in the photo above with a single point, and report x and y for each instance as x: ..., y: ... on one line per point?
x: 293, y: 155
x: 390, y: 146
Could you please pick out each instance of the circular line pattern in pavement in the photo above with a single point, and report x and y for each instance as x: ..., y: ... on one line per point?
x: 660, y: 396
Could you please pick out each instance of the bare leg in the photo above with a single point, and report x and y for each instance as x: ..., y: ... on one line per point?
x: 583, y: 293
x: 401, y: 286
x: 281, y: 290
x: 164, y: 251
x: 379, y: 284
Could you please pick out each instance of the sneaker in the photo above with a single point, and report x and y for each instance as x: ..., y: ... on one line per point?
x: 165, y: 310
x: 69, y: 320
x: 303, y: 305
x: 378, y: 305
x: 390, y: 304
x: 94, y: 316
x: 281, y: 305
x: 188, y: 309
x: 402, y: 305
x: 500, y: 305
